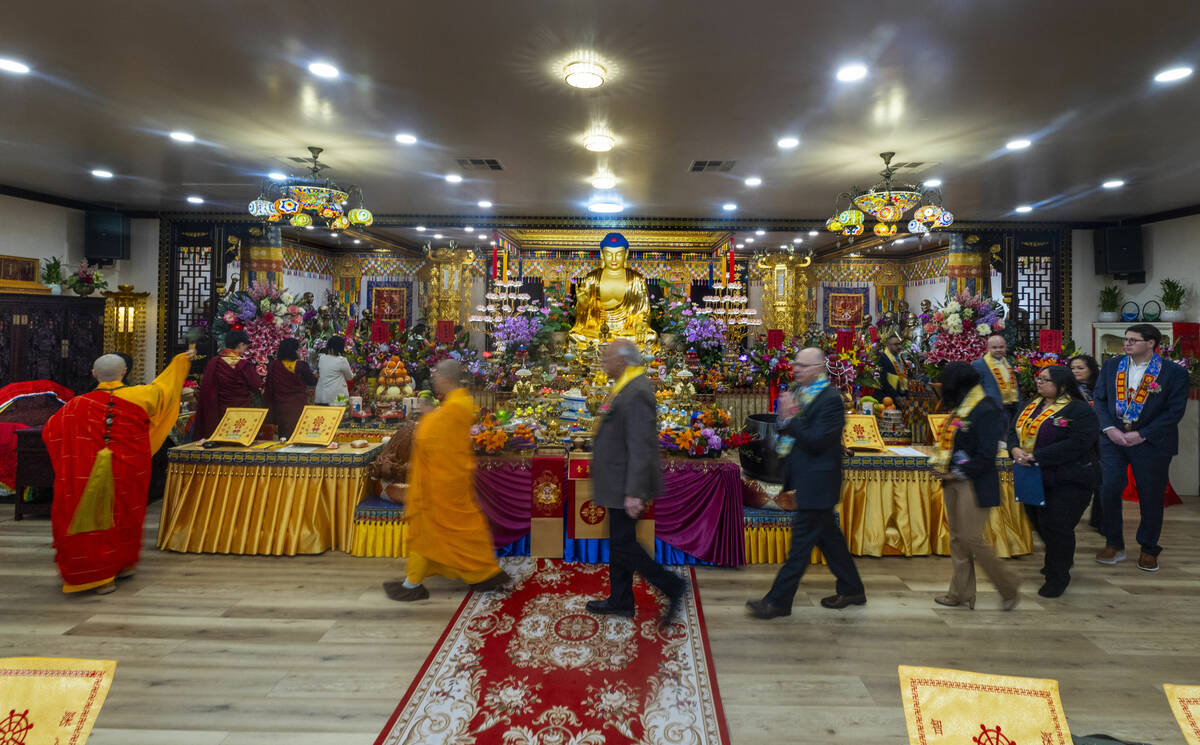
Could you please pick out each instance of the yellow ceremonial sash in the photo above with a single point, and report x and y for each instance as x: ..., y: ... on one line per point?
x: 899, y: 380
x: 230, y: 357
x: 945, y: 445
x: 1028, y: 425
x: 290, y: 365
x: 1004, y: 379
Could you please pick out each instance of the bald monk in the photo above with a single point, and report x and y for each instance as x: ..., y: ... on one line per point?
x: 448, y: 534
x: 100, y: 445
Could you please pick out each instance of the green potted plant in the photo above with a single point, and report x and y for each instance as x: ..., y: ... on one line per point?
x: 1172, y: 299
x: 1110, y: 304
x: 52, y: 275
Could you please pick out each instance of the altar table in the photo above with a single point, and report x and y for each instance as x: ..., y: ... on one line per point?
x: 235, y: 500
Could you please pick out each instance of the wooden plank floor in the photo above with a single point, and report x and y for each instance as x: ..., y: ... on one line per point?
x: 225, y: 650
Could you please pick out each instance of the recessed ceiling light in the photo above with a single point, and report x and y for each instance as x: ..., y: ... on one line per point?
x: 1173, y: 74
x: 420, y: 228
x: 753, y: 181
x: 740, y: 245
x: 813, y: 234
x: 1020, y: 144
x: 760, y: 231
x: 933, y: 183
x: 310, y: 227
x: 604, y: 181
x: 1024, y: 208
x: 599, y: 142
x: 484, y: 204
x: 453, y: 178
x: 851, y: 73
x: 749, y: 240
x: 357, y: 241
x: 323, y: 70
x: 854, y: 255
x: 787, y: 143
x: 605, y: 206
x: 195, y: 199
x: 101, y: 173
x: 900, y: 241
x: 1113, y: 184
x: 277, y: 176
x: 729, y: 206
x: 333, y: 235
x: 584, y: 74
x: 469, y: 229
x: 493, y: 243
x: 438, y: 236
x: 406, y: 139
x: 11, y: 65
x: 797, y: 239
x: 783, y: 246
x: 183, y: 137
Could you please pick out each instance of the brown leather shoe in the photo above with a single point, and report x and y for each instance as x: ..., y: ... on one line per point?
x: 1147, y: 562
x: 837, y: 602
x: 1110, y: 556
x: 765, y: 610
x: 397, y: 591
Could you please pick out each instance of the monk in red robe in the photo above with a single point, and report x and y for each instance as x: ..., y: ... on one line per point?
x: 286, y: 389
x: 229, y: 381
x: 100, y: 445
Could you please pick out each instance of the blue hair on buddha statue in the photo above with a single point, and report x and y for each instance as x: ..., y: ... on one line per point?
x: 614, y: 239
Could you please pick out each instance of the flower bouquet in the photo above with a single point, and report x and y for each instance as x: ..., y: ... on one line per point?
x: 85, y: 280
x: 960, y: 328
x: 488, y: 437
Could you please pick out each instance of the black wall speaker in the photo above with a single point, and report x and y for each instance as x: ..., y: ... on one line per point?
x: 1119, y: 250
x: 106, y: 236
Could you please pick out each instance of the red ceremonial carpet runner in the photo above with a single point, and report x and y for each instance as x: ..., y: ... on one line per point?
x: 530, y: 666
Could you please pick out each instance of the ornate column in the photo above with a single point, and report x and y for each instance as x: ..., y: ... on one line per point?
x: 968, y: 266
x: 446, y: 283
x: 262, y: 257
x: 787, y: 291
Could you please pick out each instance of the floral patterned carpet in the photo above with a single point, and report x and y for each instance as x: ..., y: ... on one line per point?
x: 530, y: 666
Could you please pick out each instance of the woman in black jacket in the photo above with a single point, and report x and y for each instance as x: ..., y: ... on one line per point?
x: 965, y: 461
x: 1058, y: 431
x: 1087, y: 373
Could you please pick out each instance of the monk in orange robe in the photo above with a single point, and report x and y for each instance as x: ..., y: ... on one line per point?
x: 100, y: 445
x: 448, y: 534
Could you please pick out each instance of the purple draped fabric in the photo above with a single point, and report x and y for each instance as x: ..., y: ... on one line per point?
x: 700, y: 510
x: 505, y: 491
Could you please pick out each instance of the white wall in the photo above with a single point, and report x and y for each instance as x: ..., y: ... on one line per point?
x: 41, y: 231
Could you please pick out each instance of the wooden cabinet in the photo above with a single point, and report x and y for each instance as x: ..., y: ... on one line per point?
x: 50, y: 338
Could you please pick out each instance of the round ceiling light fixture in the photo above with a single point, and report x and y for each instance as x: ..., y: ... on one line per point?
x: 101, y: 173
x: 787, y: 143
x: 760, y: 231
x: 797, y: 239
x: 604, y: 181
x: 740, y: 245
x: 186, y: 137
x: 1024, y: 208
x: 324, y: 70
x: 749, y: 240
x: 729, y: 206
x: 1173, y: 74
x: 599, y: 142
x: 584, y: 74
x: 405, y: 138
x: 484, y: 204
x: 753, y: 181
x: 453, y: 178
x: 605, y: 206
x: 813, y: 233
x: 277, y: 176
x: 438, y: 236
x: 932, y: 183
x: 13, y: 66
x: 1018, y: 144
x: 1115, y: 183
x: 852, y: 73
x: 195, y: 199
x: 420, y: 228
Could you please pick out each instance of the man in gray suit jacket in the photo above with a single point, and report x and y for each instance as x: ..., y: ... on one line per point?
x: 626, y: 476
x: 812, y: 420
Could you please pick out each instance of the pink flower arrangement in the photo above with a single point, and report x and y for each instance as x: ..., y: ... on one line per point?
x: 1062, y: 422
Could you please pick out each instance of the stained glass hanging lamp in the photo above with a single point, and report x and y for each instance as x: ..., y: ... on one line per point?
x: 888, y: 203
x: 311, y: 200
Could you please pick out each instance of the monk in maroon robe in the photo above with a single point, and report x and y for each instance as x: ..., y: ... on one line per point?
x: 229, y: 381
x: 286, y: 390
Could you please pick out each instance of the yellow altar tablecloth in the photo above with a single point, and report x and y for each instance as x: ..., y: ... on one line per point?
x: 243, y: 501
x: 893, y: 507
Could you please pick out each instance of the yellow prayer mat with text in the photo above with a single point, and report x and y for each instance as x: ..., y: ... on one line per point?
x: 48, y: 701
x: 950, y: 707
x: 1185, y: 705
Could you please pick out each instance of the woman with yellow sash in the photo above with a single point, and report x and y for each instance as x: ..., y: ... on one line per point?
x: 965, y: 461
x: 1058, y: 431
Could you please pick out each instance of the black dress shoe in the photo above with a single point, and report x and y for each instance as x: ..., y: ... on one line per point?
x: 837, y: 602
x: 764, y: 609
x: 604, y: 608
x: 674, y: 602
x: 1052, y: 589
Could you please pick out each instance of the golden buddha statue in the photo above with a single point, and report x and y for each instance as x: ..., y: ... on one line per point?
x: 614, y: 296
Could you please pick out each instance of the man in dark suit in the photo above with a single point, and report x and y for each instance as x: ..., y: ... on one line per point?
x: 811, y: 423
x: 893, y: 382
x: 626, y: 476
x: 1140, y: 398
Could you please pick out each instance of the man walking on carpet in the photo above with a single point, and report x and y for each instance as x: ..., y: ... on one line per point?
x: 1139, y: 398
x: 448, y: 534
x: 626, y: 476
x: 100, y: 445
x: 810, y: 437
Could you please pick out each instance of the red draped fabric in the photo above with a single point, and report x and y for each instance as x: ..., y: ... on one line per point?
x: 1130, y: 494
x: 73, y: 436
x: 223, y: 387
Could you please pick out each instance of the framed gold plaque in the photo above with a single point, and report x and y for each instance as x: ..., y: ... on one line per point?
x: 937, y: 422
x: 239, y: 426
x: 317, y: 425
x: 862, y: 433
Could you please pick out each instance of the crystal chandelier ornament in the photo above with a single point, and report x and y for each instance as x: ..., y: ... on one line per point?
x: 304, y: 201
x: 888, y: 203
